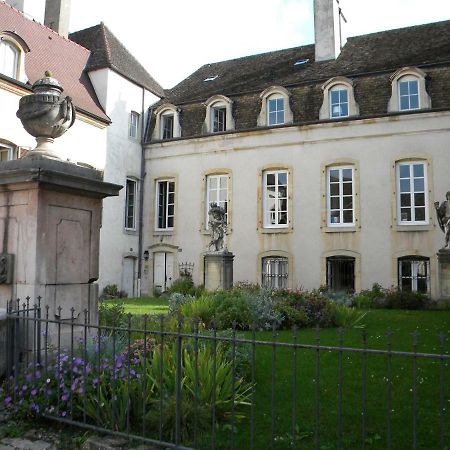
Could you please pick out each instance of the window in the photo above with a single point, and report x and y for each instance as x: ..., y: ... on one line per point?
x: 133, y: 131
x: 340, y: 197
x: 130, y: 204
x: 338, y: 102
x: 167, y: 122
x: 274, y: 272
x: 414, y: 274
x: 341, y: 273
x: 275, y: 108
x: 219, y: 115
x: 412, y: 195
x: 7, y: 153
x: 408, y: 93
x: 275, y: 199
x: 9, y: 59
x: 338, y: 99
x: 216, y: 192
x: 409, y: 90
x: 165, y: 194
x: 219, y: 118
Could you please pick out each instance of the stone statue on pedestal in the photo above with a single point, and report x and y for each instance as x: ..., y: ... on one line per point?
x: 443, y: 216
x: 217, y: 223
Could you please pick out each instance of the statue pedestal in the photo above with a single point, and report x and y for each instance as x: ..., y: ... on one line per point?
x: 443, y: 256
x: 218, y: 270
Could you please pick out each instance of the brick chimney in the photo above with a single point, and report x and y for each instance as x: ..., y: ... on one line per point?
x: 328, y: 29
x: 57, y: 16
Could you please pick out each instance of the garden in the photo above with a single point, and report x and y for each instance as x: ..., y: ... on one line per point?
x: 254, y: 368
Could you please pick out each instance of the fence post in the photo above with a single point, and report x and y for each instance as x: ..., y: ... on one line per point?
x: 4, y: 347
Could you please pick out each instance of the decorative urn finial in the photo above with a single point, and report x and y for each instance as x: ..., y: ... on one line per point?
x: 44, y: 115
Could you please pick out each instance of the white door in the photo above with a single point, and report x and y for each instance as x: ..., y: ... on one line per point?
x: 162, y: 270
x: 128, y: 276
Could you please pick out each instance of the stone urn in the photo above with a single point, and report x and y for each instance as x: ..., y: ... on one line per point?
x: 44, y: 115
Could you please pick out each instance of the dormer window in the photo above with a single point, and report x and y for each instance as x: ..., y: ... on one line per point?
x: 167, y: 124
x: 409, y: 90
x: 275, y: 108
x: 219, y: 115
x: 338, y: 99
x: 12, y: 55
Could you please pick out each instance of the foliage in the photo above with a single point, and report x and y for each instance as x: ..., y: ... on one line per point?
x: 264, y: 312
x: 112, y: 291
x: 176, y: 300
x: 112, y: 314
x: 349, y: 317
x: 183, y: 285
x: 201, y: 310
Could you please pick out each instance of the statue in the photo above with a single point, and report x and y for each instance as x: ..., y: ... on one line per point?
x: 443, y: 216
x: 217, y: 223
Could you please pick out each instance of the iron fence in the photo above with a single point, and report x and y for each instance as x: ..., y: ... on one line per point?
x: 173, y: 384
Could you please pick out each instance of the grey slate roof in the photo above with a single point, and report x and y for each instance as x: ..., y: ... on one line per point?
x: 371, y: 53
x: 108, y: 52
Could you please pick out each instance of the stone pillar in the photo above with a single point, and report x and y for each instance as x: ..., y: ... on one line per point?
x: 3, y: 331
x: 50, y: 218
x: 443, y: 256
x: 218, y: 270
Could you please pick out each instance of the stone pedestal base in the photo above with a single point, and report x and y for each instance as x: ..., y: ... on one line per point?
x: 444, y: 274
x: 218, y: 271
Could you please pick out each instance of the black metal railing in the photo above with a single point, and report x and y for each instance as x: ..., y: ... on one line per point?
x: 175, y: 385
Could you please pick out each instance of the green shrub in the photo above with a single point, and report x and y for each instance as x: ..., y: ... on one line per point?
x: 112, y: 291
x: 349, y: 317
x: 112, y: 314
x: 232, y: 308
x: 371, y: 298
x: 183, y: 285
x: 202, y: 309
x: 291, y: 316
x: 398, y: 299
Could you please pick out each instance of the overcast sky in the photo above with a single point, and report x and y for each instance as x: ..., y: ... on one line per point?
x: 172, y: 38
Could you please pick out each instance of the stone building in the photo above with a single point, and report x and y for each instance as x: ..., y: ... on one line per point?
x: 111, y: 92
x: 327, y: 157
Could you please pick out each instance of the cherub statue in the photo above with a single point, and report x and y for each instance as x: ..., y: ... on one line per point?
x: 217, y: 223
x: 443, y: 216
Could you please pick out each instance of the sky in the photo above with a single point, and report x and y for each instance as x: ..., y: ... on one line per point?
x: 173, y: 38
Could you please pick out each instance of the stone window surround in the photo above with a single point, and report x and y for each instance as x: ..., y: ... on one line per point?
x: 341, y: 162
x: 424, y: 98
x: 218, y: 100
x: 413, y: 259
x: 263, y: 118
x: 341, y: 252
x: 274, y: 254
x: 353, y: 107
x: 164, y: 231
x: 166, y: 108
x: 21, y: 46
x: 216, y: 171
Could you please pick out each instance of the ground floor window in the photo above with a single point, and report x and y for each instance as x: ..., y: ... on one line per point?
x: 275, y: 272
x: 414, y: 274
x: 341, y: 273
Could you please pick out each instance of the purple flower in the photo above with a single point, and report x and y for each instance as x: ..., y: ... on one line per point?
x: 34, y: 392
x: 64, y: 414
x: 28, y: 377
x: 24, y: 387
x: 8, y: 400
x: 64, y: 397
x: 34, y: 407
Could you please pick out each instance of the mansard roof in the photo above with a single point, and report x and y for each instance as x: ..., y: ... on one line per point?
x: 108, y: 52
x: 368, y: 54
x: 65, y: 59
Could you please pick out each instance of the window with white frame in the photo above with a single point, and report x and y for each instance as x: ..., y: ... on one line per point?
x: 414, y: 274
x: 412, y: 196
x: 165, y: 204
x: 408, y: 93
x: 7, y: 153
x: 9, y: 59
x: 167, y: 124
x: 339, y: 101
x: 216, y: 192
x: 275, y: 199
x: 133, y: 131
x: 218, y: 118
x: 340, y: 196
x: 130, y: 204
x: 275, y: 110
x: 275, y: 272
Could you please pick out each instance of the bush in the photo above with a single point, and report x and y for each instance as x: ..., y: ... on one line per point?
x: 349, y: 317
x: 262, y: 307
x: 112, y: 291
x: 232, y: 309
x: 183, y: 285
x: 112, y: 314
x: 176, y: 300
x: 202, y: 310
x: 398, y: 299
x: 291, y: 316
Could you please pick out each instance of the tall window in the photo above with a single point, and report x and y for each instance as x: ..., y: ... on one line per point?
x: 412, y: 195
x: 133, y: 131
x: 167, y: 122
x: 9, y: 58
x: 275, y: 110
x: 341, y: 273
x: 130, y: 204
x: 216, y: 192
x: 414, y: 274
x: 218, y: 118
x: 275, y: 273
x: 275, y: 199
x: 408, y: 93
x: 165, y: 193
x: 338, y: 102
x: 340, y: 196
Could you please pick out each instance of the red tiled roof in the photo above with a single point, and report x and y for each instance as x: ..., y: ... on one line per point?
x: 65, y: 59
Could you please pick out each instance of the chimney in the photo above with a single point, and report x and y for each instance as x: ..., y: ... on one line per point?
x: 328, y: 21
x: 31, y: 8
x: 57, y: 16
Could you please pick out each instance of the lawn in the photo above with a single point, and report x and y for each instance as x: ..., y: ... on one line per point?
x: 306, y: 406
x: 142, y: 305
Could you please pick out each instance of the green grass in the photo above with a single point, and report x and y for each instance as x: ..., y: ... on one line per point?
x: 142, y: 305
